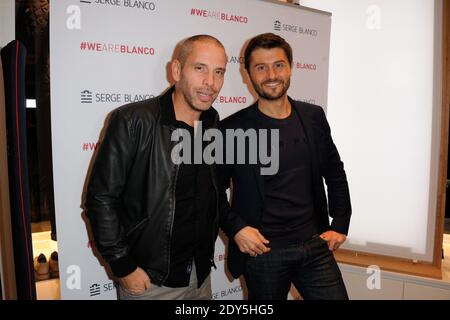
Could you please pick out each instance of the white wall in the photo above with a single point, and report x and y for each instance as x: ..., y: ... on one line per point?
x: 368, y: 284
x: 7, y: 21
x: 383, y: 108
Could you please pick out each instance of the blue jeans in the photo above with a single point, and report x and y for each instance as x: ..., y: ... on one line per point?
x: 309, y: 265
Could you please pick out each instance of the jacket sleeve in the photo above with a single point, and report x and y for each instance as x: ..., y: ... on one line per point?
x: 103, y: 199
x: 230, y: 221
x: 333, y: 172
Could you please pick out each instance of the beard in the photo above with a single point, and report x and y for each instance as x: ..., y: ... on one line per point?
x: 266, y: 94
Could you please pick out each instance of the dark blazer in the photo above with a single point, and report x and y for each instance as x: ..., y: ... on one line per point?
x: 248, y: 185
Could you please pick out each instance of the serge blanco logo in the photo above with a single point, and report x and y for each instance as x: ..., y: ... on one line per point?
x: 279, y: 26
x: 94, y: 290
x: 88, y: 96
x: 137, y: 4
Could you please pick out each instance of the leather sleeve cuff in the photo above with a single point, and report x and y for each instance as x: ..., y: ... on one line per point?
x: 123, y: 266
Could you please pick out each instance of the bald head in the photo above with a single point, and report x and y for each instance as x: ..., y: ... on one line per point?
x: 186, y: 46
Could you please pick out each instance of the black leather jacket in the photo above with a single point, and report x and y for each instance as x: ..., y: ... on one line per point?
x: 130, y: 199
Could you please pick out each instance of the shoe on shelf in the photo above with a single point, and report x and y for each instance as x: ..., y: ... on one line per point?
x: 41, y: 268
x: 53, y: 265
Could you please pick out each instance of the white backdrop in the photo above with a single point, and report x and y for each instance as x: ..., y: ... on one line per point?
x: 384, y: 110
x: 7, y: 20
x: 103, y: 56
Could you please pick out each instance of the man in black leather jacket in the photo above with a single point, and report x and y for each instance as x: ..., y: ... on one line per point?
x: 155, y: 221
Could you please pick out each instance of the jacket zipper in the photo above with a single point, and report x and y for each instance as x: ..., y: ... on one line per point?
x: 177, y: 167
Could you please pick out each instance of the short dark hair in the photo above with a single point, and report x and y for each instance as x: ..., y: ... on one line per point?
x: 185, y: 47
x: 266, y: 41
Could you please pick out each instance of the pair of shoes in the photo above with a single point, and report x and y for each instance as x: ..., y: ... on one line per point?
x: 53, y: 265
x: 41, y: 268
x: 44, y: 269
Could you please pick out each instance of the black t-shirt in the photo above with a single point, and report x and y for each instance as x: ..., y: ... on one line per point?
x: 288, y: 214
x: 191, y: 230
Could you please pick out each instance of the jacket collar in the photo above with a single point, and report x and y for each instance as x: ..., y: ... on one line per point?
x: 168, y: 111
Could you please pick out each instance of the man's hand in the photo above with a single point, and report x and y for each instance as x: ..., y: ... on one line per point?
x: 136, y: 282
x: 250, y: 241
x: 334, y: 239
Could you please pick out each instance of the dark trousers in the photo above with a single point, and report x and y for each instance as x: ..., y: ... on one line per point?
x: 310, y: 266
